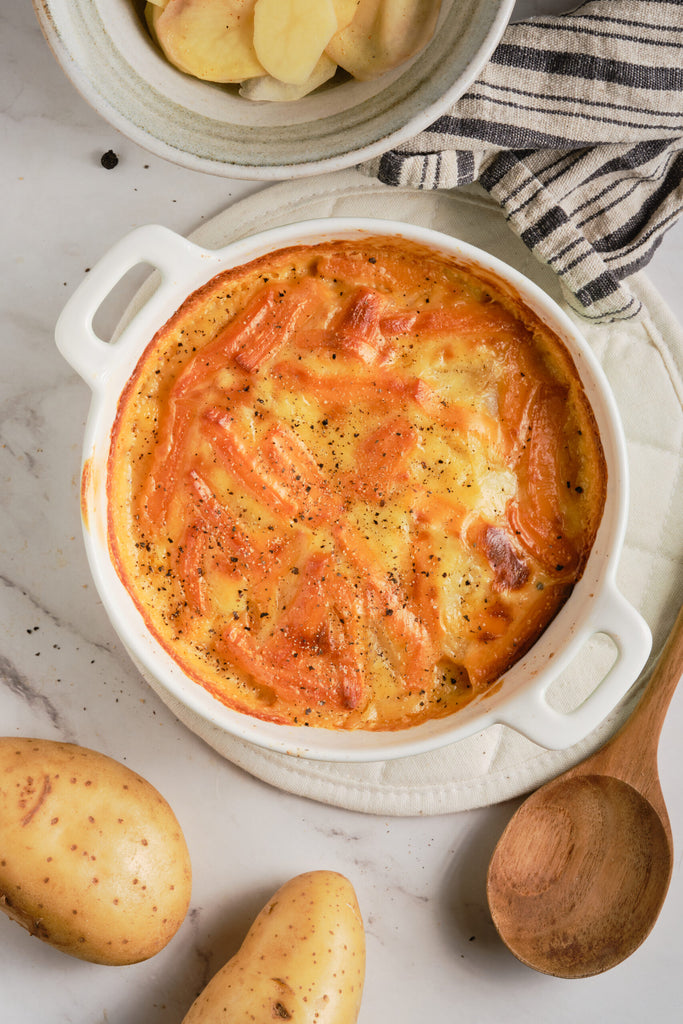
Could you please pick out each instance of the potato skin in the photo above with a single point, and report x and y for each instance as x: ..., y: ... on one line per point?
x: 303, y: 959
x: 92, y: 858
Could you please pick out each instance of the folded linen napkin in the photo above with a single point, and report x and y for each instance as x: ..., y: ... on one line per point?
x: 575, y: 127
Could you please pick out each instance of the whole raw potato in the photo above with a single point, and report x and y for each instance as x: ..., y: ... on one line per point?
x: 92, y: 858
x: 303, y: 960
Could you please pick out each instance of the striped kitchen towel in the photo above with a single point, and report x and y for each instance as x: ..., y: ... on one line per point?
x: 575, y: 127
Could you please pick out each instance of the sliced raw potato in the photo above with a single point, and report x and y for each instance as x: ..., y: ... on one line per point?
x: 210, y: 39
x: 344, y: 9
x: 153, y: 9
x: 290, y: 36
x: 280, y: 50
x: 152, y: 12
x: 382, y: 35
x: 269, y: 89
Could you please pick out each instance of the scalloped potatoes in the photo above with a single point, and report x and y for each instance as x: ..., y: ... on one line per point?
x: 351, y: 483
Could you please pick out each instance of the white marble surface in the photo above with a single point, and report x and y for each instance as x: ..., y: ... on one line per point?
x: 433, y: 953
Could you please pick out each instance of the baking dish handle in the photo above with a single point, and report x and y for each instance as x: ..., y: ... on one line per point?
x: 536, y: 719
x: 173, y: 256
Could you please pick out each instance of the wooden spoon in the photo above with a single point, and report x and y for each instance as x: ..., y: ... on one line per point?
x: 580, y: 874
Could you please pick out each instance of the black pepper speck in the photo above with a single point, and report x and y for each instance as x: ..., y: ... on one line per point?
x: 109, y: 160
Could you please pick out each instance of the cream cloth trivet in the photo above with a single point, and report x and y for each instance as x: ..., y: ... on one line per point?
x: 643, y: 360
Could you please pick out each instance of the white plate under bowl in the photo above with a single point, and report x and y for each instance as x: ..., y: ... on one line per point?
x: 521, y: 702
x: 105, y: 50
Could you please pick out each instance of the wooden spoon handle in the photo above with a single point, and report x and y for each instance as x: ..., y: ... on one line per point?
x: 631, y: 754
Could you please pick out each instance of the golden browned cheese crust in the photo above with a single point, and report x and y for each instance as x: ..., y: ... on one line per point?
x: 350, y: 484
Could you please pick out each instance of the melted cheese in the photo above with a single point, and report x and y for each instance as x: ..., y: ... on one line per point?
x: 350, y: 486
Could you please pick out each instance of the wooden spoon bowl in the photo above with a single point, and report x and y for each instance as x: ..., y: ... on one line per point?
x: 579, y: 876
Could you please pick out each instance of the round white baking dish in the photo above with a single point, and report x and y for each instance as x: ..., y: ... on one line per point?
x: 521, y: 700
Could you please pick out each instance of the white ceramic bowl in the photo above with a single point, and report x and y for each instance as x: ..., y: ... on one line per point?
x: 521, y: 702
x: 105, y: 50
